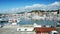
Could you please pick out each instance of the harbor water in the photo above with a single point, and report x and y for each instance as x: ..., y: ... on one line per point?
x: 29, y: 21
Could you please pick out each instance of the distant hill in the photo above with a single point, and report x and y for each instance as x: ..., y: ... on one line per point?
x: 41, y: 11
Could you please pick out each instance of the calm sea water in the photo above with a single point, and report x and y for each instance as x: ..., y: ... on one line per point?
x: 25, y: 21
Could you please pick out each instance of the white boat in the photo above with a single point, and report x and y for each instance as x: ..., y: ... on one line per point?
x: 25, y: 29
x: 28, y: 28
x: 35, y: 25
x: 13, y: 19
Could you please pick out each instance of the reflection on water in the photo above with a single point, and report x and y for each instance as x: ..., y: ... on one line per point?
x: 25, y: 21
x: 29, y: 21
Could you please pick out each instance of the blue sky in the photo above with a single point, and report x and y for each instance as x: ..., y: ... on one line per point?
x: 9, y: 4
x: 6, y: 4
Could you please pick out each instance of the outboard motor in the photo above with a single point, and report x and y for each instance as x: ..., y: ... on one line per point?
x: 54, y: 32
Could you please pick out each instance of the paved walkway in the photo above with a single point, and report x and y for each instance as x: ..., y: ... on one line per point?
x: 12, y: 31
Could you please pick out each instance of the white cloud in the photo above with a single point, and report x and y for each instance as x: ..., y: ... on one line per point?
x: 52, y: 6
x: 56, y: 3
